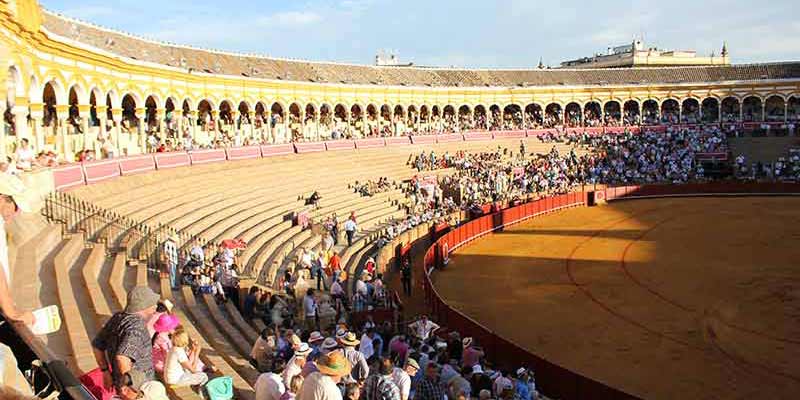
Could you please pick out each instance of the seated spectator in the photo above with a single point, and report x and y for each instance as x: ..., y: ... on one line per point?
x: 162, y: 344
x: 183, y: 361
x: 123, y: 344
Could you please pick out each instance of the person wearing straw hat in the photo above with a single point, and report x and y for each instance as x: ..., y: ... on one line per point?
x: 321, y: 385
x: 360, y: 368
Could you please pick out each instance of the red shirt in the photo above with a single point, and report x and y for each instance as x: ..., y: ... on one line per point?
x: 334, y: 263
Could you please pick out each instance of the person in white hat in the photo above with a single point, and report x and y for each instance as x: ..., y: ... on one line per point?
x: 295, y: 364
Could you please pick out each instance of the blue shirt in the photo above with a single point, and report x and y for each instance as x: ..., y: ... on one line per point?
x: 522, y: 390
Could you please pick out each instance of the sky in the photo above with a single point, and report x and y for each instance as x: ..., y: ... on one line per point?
x: 502, y: 33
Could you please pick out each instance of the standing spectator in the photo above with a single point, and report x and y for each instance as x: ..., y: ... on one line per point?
x: 405, y: 272
x: 472, y: 353
x: 295, y: 366
x: 380, y: 386
x: 230, y: 283
x: 310, y: 310
x: 170, y: 259
x: 402, y: 378
x: 360, y: 368
x: 269, y: 385
x: 423, y: 328
x: 321, y: 385
x: 263, y: 349
x: 350, y: 228
x: 180, y: 367
x: 428, y: 387
x: 123, y: 343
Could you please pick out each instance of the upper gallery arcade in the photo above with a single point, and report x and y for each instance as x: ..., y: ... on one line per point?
x: 71, y: 85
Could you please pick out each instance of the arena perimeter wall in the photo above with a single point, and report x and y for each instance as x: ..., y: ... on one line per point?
x: 552, y: 380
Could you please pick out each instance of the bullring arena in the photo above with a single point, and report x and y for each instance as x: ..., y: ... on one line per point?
x: 659, y: 297
x: 202, y: 195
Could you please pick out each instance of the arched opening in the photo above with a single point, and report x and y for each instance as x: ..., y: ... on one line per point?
x: 74, y: 119
x: 225, y: 113
x: 130, y: 121
x: 592, y: 114
x: 49, y: 99
x: 730, y: 109
x: 110, y: 107
x: 448, y: 118
x: 650, y: 112
x: 793, y: 108
x: 631, y: 111
x: 710, y: 110
x: 775, y: 109
x: 512, y: 117
x: 170, y: 119
x: 479, y: 116
x: 573, y: 111
x: 325, y: 116
x: 670, y: 110
x: 424, y: 114
x: 752, y: 110
x: 295, y: 122
x: 553, y: 115
x: 534, y: 116
x: 613, y: 113
x: 340, y: 113
x: 311, y: 113
x: 244, y: 114
x: 94, y: 119
x: 204, y: 117
x: 356, y: 114
x: 465, y: 121
x: 690, y: 111
x: 276, y: 114
x: 495, y: 122
x: 413, y: 116
x: 398, y: 113
x: 150, y: 114
x: 386, y: 114
x: 260, y: 117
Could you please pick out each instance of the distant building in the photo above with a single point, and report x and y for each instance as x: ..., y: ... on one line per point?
x: 389, y: 59
x: 636, y: 54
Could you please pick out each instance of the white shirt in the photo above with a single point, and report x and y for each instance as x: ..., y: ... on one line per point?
x: 317, y: 387
x: 361, y: 287
x: 423, y: 329
x: 403, y: 381
x: 336, y: 289
x: 310, y: 306
x: 24, y: 158
x: 4, y: 252
x: 350, y: 225
x: 269, y: 387
x: 197, y: 251
x: 366, y: 347
x: 289, y: 372
x: 173, y: 370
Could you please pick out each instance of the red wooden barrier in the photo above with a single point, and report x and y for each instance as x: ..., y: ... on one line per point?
x: 98, y: 171
x: 310, y: 147
x: 452, y: 137
x: 423, y: 139
x: 370, y: 143
x: 340, y: 145
x: 476, y: 136
x: 276, y: 149
x: 243, y: 153
x: 398, y: 141
x: 137, y: 164
x: 510, y: 134
x: 173, y: 160
x: 68, y: 176
x: 207, y: 156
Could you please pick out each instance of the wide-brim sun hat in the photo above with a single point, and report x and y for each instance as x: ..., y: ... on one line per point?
x: 329, y: 344
x: 14, y: 188
x: 334, y: 364
x: 303, y: 350
x: 141, y: 298
x: 349, y: 339
x: 467, y: 341
x: 315, y: 337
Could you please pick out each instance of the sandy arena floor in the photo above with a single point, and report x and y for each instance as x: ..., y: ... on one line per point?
x: 665, y: 299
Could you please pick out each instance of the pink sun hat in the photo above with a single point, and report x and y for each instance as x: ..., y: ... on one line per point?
x: 166, y: 323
